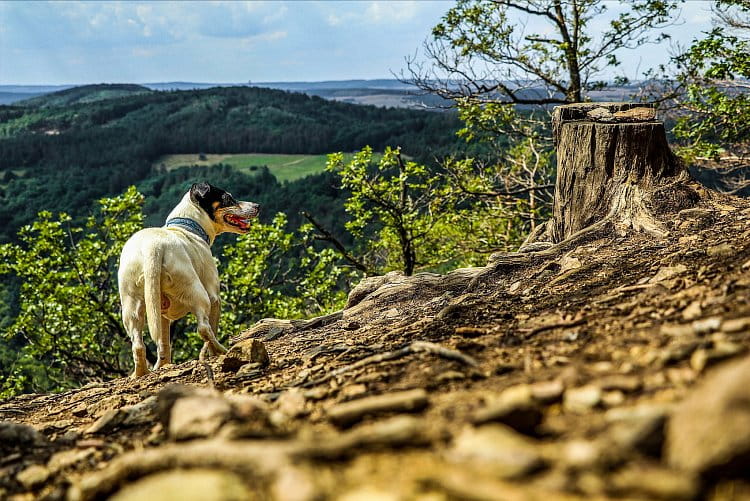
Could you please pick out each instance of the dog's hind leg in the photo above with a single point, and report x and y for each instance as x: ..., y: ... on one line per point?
x: 207, y: 316
x: 133, y: 316
x: 163, y: 345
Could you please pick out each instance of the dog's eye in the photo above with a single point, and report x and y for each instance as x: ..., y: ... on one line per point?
x: 227, y: 200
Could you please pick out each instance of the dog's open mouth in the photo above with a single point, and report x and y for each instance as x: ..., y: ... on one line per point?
x: 242, y: 223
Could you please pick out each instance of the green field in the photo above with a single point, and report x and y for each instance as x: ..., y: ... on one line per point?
x: 284, y: 167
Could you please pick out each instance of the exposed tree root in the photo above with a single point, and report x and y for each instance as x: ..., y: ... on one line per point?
x: 415, y: 347
x: 257, y: 459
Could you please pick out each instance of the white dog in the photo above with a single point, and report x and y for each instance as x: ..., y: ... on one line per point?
x: 168, y: 272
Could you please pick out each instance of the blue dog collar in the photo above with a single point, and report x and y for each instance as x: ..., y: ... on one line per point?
x: 190, y: 225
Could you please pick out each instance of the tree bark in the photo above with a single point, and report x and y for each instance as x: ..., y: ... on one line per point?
x: 612, y: 161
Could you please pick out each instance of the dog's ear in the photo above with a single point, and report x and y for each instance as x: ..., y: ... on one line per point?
x: 202, y: 195
x: 199, y: 191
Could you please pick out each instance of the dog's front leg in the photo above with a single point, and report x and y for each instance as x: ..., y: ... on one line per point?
x: 163, y: 345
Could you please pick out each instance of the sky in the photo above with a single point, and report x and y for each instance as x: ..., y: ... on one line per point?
x: 67, y: 42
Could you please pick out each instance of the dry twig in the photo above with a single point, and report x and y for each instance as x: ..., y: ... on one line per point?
x: 415, y: 347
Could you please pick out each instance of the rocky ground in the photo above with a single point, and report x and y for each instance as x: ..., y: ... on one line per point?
x: 613, y: 365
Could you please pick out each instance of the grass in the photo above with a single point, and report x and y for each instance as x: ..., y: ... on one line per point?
x: 284, y: 167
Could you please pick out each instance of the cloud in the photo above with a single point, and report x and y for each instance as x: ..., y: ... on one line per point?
x: 375, y: 13
x: 116, y: 24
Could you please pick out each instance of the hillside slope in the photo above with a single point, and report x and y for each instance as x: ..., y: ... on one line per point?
x: 84, y: 94
x: 63, y: 158
x: 605, y: 368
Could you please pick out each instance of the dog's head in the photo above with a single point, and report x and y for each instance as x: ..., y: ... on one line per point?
x: 227, y: 214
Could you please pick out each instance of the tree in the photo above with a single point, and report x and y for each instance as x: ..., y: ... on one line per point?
x: 270, y: 272
x: 711, y: 86
x: 68, y: 328
x: 502, y: 63
x: 485, y: 50
x: 69, y: 331
x: 399, y: 198
x: 412, y: 217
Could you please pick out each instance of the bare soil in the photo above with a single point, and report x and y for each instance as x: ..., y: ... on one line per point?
x: 528, y: 379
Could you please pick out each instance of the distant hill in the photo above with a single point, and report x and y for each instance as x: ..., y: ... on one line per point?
x: 14, y: 97
x: 70, y: 149
x: 84, y: 94
x: 382, y: 92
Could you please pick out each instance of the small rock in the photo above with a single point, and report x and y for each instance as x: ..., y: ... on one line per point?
x: 678, y: 351
x: 639, y: 428
x: 16, y: 435
x: 246, y: 351
x: 405, y: 401
x: 143, y: 412
x: 613, y: 398
x: 100, y: 407
x: 187, y: 485
x: 547, y: 392
x: 667, y: 273
x: 655, y: 482
x: 50, y: 427
x: 723, y: 350
x: 351, y: 391
x: 291, y: 403
x: 68, y: 438
x: 568, y: 263
x: 582, y: 454
x: 108, y: 422
x: 447, y: 376
x: 247, y: 407
x: 68, y: 458
x: 582, y: 399
x: 371, y: 377
x: 198, y: 417
x: 721, y: 250
x: 509, y: 454
x: 397, y: 431
x: 692, y: 311
x: 319, y: 393
x: 470, y: 331
x: 80, y: 410
x: 710, y: 430
x: 249, y: 371
x: 736, y: 325
x: 294, y: 484
x: 622, y: 382
x: 696, y: 213
x: 505, y: 367
x: 677, y: 330
x: 706, y: 325
x: 33, y: 476
x: 514, y: 407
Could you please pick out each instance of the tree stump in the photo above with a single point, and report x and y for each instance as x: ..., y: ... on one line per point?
x: 612, y: 160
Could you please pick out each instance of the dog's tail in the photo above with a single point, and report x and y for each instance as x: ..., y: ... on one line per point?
x: 152, y: 290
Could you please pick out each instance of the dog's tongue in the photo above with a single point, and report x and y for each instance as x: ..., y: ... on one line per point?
x: 241, y: 222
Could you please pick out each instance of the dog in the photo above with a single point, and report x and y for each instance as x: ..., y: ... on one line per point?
x: 168, y: 272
